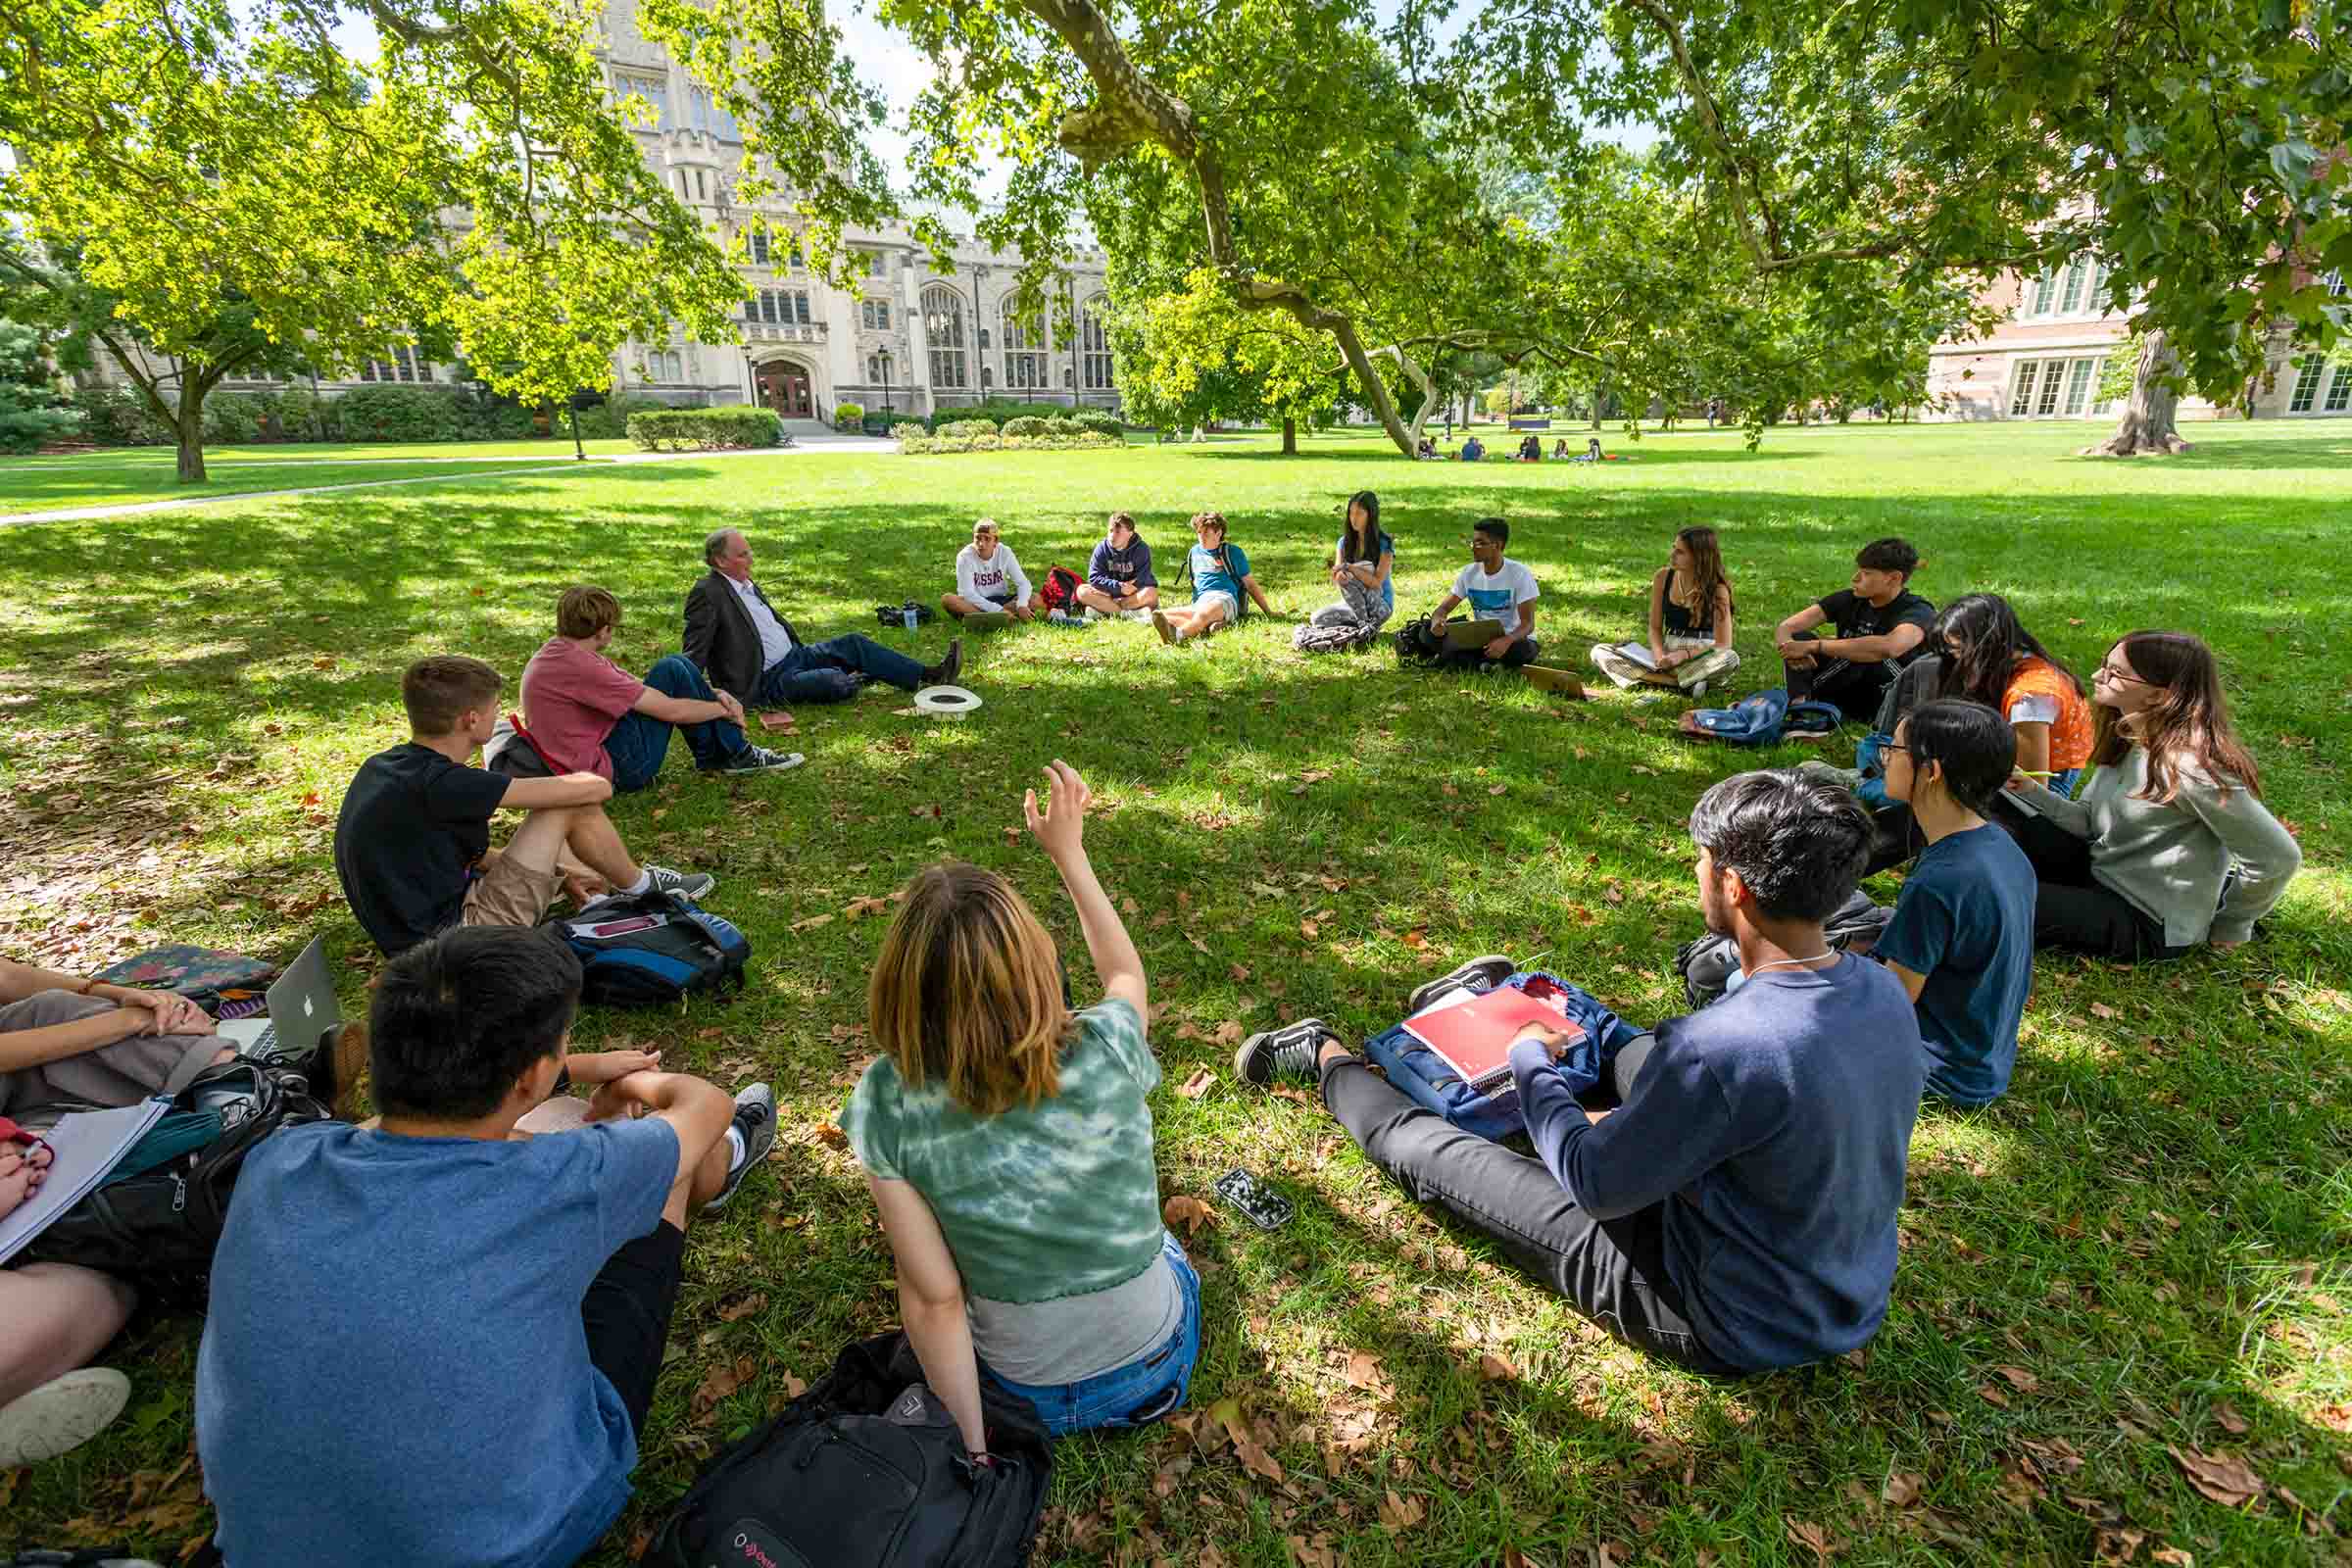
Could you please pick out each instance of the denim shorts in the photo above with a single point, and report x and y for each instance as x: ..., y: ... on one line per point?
x: 1146, y: 1388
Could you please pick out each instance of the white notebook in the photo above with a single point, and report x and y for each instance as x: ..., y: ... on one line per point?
x: 85, y: 1146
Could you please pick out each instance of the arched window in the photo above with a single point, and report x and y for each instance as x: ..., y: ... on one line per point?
x: 1094, y: 347
x: 942, y: 330
x: 1024, y: 354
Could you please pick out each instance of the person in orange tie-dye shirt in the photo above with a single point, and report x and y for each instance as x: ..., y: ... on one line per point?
x: 1989, y: 657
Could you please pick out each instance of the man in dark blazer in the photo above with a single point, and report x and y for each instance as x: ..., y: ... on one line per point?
x: 747, y: 648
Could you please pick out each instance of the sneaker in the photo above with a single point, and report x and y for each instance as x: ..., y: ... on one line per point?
x: 1062, y: 618
x: 759, y: 759
x: 1140, y: 613
x: 943, y: 673
x: 1698, y: 688
x: 1290, y: 1051
x: 1166, y: 627
x: 1093, y: 615
x: 333, y: 1068
x: 60, y: 1415
x: 1481, y: 974
x: 685, y: 884
x: 756, y: 1120
x: 1829, y: 772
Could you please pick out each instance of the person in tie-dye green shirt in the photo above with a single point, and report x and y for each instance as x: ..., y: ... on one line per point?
x: 1007, y: 1141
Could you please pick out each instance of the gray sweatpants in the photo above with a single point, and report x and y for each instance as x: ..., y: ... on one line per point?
x: 121, y: 1074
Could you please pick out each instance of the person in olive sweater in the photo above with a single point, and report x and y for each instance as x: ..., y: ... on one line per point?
x: 2171, y: 846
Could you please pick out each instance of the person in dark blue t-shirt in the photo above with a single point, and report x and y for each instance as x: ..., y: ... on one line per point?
x: 448, y: 1328
x: 1737, y: 1212
x: 1962, y: 938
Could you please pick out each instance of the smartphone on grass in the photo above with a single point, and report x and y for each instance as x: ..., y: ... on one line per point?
x: 1259, y: 1204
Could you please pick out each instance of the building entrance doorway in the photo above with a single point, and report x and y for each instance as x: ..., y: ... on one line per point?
x: 784, y: 387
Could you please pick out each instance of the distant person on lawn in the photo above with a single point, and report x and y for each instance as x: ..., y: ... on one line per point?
x: 1881, y: 626
x: 1737, y: 1212
x: 1962, y: 938
x: 1498, y: 589
x: 589, y: 715
x: 1473, y: 449
x: 413, y: 839
x: 1221, y: 577
x: 1007, y: 1141
x: 754, y: 654
x: 2170, y: 846
x: 1118, y: 576
x: 449, y: 1333
x: 988, y: 578
x: 1691, y: 623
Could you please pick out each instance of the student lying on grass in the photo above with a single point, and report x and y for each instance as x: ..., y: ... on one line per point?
x: 1737, y: 1212
x: 1221, y: 577
x: 2170, y: 846
x: 430, y: 1342
x: 1008, y: 1143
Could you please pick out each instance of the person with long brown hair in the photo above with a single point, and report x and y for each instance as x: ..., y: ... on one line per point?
x: 1007, y: 1141
x: 1986, y: 655
x: 2175, y: 846
x: 1690, y: 623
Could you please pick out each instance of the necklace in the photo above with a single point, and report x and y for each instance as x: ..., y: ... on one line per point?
x: 1783, y: 963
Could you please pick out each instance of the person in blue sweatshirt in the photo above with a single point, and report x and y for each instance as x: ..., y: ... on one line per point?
x: 1736, y: 1213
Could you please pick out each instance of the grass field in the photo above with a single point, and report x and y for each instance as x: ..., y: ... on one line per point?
x: 2145, y: 1252
x: 118, y: 475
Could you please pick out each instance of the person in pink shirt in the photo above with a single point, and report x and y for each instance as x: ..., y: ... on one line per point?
x: 589, y: 715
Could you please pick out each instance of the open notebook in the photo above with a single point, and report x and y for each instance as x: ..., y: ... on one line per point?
x: 85, y: 1146
x: 1473, y: 1034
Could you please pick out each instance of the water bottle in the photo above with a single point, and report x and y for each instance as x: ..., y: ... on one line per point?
x: 906, y: 615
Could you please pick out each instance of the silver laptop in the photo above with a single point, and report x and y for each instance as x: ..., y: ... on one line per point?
x: 301, y: 1010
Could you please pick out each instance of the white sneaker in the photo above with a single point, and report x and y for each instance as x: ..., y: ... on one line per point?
x: 1093, y: 615
x: 1698, y: 688
x: 1140, y: 613
x: 1062, y: 618
x: 60, y: 1415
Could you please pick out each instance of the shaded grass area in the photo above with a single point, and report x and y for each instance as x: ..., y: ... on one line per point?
x: 120, y: 475
x: 2143, y: 1247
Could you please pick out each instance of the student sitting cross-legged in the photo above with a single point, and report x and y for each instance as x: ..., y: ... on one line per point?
x: 1737, y: 1212
x: 432, y: 1343
x: 1690, y: 626
x: 1989, y: 656
x: 1220, y: 578
x: 1362, y: 565
x: 589, y: 715
x: 413, y: 839
x: 988, y: 578
x: 2170, y: 844
x: 1499, y: 590
x: 1879, y: 625
x: 1118, y: 575
x: 1008, y: 1143
x: 1962, y: 938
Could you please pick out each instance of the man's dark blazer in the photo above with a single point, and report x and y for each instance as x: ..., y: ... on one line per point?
x: 722, y: 639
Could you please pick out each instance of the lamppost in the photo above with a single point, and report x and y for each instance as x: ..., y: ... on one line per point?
x: 886, y: 403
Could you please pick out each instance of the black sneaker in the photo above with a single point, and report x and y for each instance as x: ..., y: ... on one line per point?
x: 944, y: 673
x: 756, y: 1119
x: 1290, y: 1051
x: 685, y: 884
x: 759, y: 759
x: 1482, y: 974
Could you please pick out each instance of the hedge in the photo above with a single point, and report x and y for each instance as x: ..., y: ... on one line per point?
x: 965, y: 429
x: 398, y: 414
x: 606, y: 421
x: 945, y: 443
x: 706, y: 429
x: 847, y: 415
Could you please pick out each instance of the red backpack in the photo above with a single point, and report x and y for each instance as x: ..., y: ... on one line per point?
x: 1060, y: 589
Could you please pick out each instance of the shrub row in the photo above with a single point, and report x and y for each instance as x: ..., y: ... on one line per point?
x: 985, y: 442
x: 117, y: 415
x: 1060, y: 422
x: 706, y: 429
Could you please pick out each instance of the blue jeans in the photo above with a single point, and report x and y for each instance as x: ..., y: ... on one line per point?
x: 639, y: 741
x: 1145, y: 1390
x: 814, y: 673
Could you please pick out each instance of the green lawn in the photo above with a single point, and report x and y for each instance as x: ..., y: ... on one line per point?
x: 121, y: 475
x: 2145, y: 1247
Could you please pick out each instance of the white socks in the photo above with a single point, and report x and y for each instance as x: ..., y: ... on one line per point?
x: 643, y: 884
x: 735, y: 1150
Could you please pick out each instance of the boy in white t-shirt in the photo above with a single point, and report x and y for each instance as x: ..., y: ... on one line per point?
x: 987, y: 577
x: 1496, y: 589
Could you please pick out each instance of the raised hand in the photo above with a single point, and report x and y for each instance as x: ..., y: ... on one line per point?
x: 1061, y: 829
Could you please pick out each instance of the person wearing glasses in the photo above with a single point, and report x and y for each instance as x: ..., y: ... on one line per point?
x: 2170, y: 846
x: 1962, y: 937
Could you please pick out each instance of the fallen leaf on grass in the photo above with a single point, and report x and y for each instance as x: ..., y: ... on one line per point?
x: 1198, y: 945
x: 1199, y: 1084
x: 1308, y: 1554
x: 2018, y: 1378
x: 1903, y: 1489
x: 2172, y: 1556
x: 2101, y: 1010
x: 1229, y: 1033
x: 1497, y: 1368
x: 1811, y: 1536
x: 1992, y: 1396
x: 2226, y: 1414
x: 2220, y: 1477
x: 1400, y: 1513
x: 1497, y: 788
x: 1227, y: 1413
x: 1188, y: 1211
x: 1307, y: 929
x: 860, y: 909
x: 721, y: 1381
x: 1130, y: 908
x: 831, y: 1136
x: 737, y: 1310
x: 1363, y: 1371
x: 812, y: 922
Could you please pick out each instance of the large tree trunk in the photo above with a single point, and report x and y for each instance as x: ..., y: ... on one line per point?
x: 1290, y: 438
x: 188, y: 423
x: 2147, y: 428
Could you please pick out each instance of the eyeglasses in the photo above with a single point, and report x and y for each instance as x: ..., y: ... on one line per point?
x: 2110, y: 672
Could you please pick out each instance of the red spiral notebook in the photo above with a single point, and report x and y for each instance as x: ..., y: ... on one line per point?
x: 1474, y: 1038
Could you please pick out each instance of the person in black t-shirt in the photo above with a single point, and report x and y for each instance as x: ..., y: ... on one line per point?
x: 1881, y: 626
x: 413, y: 841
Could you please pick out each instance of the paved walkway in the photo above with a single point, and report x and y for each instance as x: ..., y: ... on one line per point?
x: 552, y: 464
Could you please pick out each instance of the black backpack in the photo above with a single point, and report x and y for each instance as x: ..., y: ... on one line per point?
x: 653, y: 949
x: 867, y: 1470
x: 1418, y: 646
x: 160, y: 1227
x: 1706, y: 963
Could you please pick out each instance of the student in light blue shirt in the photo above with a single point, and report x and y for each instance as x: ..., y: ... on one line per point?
x: 1362, y: 569
x: 1221, y: 577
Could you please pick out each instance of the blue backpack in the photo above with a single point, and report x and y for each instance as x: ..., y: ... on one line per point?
x: 652, y: 950
x: 1423, y: 1077
x: 1762, y: 718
